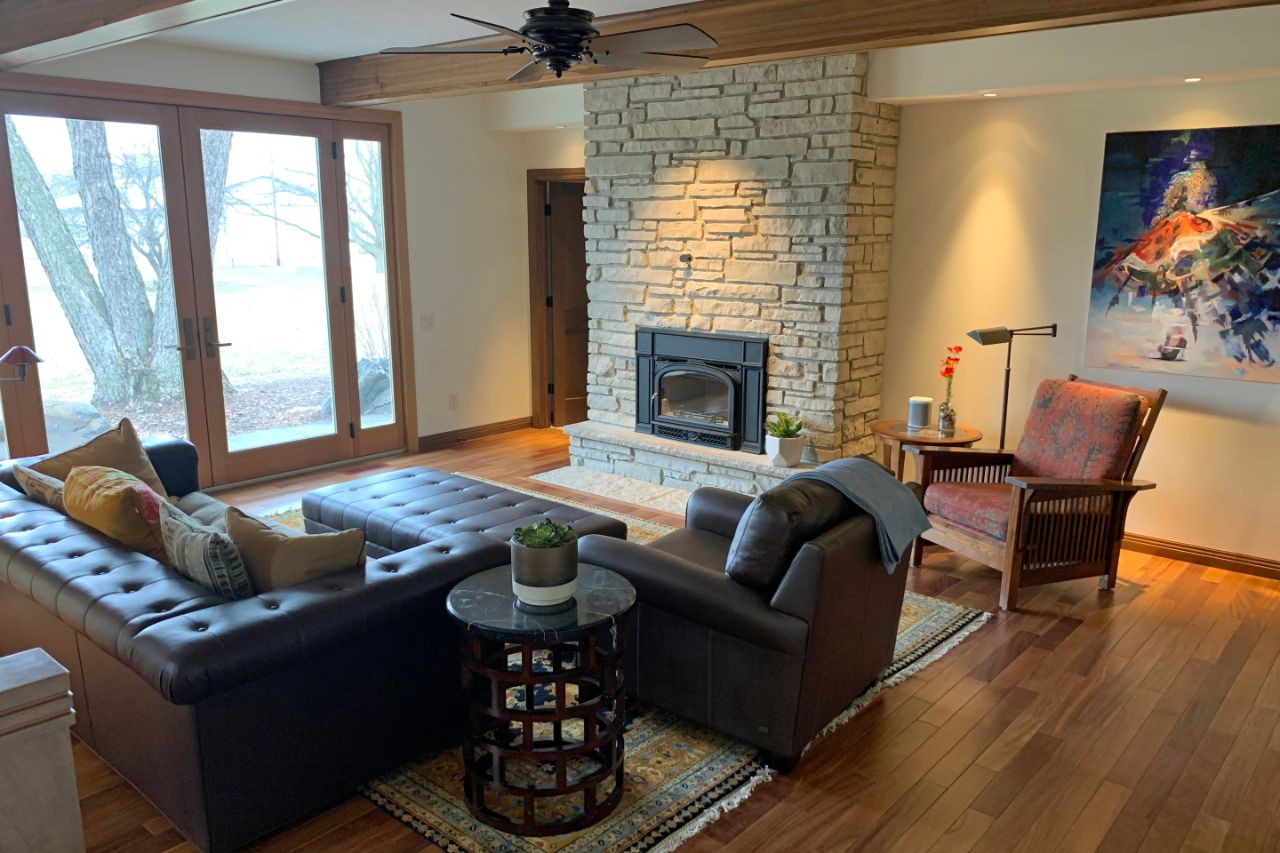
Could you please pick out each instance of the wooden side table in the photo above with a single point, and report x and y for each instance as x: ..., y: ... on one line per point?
x: 546, y: 713
x: 894, y: 436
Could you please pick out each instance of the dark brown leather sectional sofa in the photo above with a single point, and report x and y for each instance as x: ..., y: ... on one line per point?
x: 772, y: 645
x: 237, y: 717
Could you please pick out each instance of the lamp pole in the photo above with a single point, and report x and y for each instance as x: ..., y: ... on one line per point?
x: 1051, y: 331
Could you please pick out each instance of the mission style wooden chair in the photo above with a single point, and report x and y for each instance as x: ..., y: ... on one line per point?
x: 1054, y: 509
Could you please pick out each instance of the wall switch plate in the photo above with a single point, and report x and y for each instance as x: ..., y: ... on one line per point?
x: 426, y: 321
x: 453, y: 402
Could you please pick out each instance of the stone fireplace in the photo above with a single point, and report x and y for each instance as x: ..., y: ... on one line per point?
x: 755, y: 200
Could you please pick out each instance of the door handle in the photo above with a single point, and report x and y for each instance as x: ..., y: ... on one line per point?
x: 188, y: 347
x: 211, y: 342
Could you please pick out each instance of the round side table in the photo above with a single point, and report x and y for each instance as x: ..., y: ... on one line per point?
x: 894, y: 436
x: 543, y: 750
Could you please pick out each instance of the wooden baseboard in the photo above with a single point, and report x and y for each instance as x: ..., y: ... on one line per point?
x: 444, y: 440
x: 1244, y: 563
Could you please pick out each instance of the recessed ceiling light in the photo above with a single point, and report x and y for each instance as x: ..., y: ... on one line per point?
x: 562, y: 126
x: 1192, y: 79
x: 990, y: 94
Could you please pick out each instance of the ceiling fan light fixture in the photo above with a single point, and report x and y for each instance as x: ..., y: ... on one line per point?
x: 559, y: 38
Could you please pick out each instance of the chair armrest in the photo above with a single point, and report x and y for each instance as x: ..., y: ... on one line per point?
x: 1068, y: 484
x: 177, y: 463
x: 961, y: 457
x: 695, y: 593
x: 716, y: 511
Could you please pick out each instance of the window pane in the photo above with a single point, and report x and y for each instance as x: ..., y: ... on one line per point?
x: 367, y: 238
x: 95, y: 247
x: 265, y: 223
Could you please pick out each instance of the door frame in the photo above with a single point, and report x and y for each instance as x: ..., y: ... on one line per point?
x: 539, y: 261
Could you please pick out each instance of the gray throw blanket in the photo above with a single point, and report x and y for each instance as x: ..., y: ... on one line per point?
x: 897, y: 512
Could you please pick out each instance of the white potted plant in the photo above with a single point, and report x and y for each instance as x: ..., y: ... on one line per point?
x: 783, y: 443
x: 544, y: 564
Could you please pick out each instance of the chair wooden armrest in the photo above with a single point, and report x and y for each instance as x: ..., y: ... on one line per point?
x: 960, y: 464
x: 958, y: 457
x: 1069, y: 484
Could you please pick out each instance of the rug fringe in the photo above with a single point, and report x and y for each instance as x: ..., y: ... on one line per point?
x: 713, y: 814
x: 898, y: 677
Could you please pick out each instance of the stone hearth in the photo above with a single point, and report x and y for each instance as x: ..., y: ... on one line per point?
x: 777, y: 179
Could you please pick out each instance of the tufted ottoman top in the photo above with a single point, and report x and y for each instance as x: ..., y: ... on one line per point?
x: 399, y: 510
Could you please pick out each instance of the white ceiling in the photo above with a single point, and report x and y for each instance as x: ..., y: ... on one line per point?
x: 315, y: 30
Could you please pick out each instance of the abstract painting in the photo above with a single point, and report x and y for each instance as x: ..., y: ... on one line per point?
x: 1186, y: 274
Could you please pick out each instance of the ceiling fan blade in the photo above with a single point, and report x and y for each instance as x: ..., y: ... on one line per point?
x: 532, y: 71
x: 497, y: 28
x: 673, y: 63
x: 428, y: 48
x: 656, y: 40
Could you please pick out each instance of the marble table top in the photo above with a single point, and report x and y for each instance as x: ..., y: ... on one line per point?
x: 485, y: 603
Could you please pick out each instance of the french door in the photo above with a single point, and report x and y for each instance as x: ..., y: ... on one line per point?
x: 219, y: 275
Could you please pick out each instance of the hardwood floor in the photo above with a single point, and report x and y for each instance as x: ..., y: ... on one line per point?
x: 1145, y: 719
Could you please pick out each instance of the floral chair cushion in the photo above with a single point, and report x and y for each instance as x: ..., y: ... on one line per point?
x: 1079, y: 431
x: 983, y: 507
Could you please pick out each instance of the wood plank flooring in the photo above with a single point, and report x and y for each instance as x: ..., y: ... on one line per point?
x: 1147, y: 719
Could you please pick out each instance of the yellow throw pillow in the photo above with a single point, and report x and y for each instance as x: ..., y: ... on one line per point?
x: 277, y: 558
x: 118, y: 448
x: 39, y: 487
x: 118, y: 505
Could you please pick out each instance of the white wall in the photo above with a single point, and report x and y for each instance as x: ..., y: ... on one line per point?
x: 469, y: 259
x: 151, y: 63
x: 996, y: 217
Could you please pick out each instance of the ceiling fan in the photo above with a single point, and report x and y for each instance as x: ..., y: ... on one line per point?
x: 559, y: 38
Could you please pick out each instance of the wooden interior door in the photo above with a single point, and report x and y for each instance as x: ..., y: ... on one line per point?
x: 567, y: 285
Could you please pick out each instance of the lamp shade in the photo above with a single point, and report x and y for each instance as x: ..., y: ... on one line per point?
x: 21, y: 356
x: 994, y: 335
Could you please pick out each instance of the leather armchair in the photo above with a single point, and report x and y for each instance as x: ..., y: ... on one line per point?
x: 770, y: 663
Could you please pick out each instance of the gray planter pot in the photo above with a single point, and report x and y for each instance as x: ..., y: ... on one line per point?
x: 784, y: 452
x: 544, y: 577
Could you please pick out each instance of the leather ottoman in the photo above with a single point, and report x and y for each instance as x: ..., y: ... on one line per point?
x: 399, y: 510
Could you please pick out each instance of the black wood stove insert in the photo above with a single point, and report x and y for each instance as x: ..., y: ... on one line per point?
x: 702, y: 387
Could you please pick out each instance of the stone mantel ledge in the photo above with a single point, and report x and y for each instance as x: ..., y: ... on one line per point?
x: 733, y: 469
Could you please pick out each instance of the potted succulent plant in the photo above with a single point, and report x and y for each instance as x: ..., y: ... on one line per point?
x: 544, y: 564
x: 783, y: 443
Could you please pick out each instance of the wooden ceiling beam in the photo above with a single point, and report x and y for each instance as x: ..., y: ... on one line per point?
x: 39, y: 30
x: 750, y: 31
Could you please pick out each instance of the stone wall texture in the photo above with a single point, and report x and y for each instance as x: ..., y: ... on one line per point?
x: 778, y: 179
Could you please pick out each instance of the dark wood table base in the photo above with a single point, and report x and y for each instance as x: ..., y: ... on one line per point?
x: 546, y: 723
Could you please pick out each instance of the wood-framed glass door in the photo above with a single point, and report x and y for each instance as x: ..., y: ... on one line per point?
x: 365, y: 216
x: 94, y: 271
x: 273, y: 331
x: 226, y: 276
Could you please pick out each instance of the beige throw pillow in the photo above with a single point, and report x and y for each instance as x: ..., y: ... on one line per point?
x: 118, y: 448
x: 278, y: 559
x: 40, y: 487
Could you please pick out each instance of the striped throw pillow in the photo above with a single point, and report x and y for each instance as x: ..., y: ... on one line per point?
x: 204, y: 555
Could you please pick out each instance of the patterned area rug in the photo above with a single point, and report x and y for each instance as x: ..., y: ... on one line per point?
x: 680, y: 777
x: 617, y: 487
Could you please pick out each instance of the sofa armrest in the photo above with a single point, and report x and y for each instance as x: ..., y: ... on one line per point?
x: 696, y: 593
x: 716, y: 511
x: 177, y: 463
x: 193, y: 656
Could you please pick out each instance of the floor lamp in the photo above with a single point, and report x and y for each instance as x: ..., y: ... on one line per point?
x: 1003, y: 335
